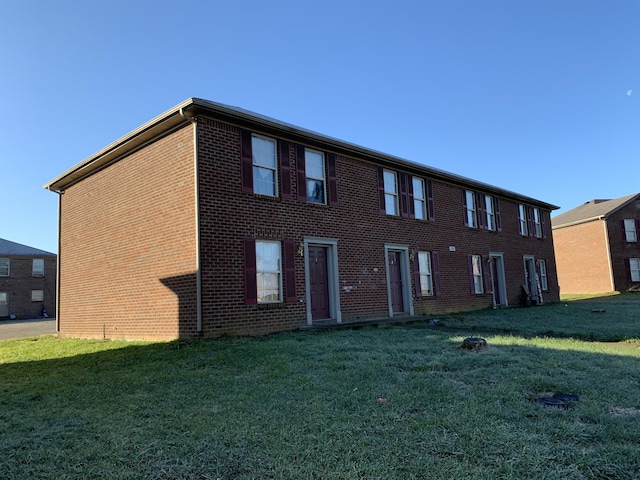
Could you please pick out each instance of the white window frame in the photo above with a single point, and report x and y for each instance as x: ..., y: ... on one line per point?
x: 37, y: 295
x: 522, y: 219
x: 426, y: 274
x: 419, y: 198
x: 544, y: 282
x: 634, y: 267
x: 478, y: 283
x: 630, y: 233
x: 258, y: 166
x: 472, y: 219
x: 391, y: 200
x: 537, y: 225
x: 37, y: 267
x: 5, y: 267
x: 491, y: 214
x: 321, y: 179
x: 260, y: 272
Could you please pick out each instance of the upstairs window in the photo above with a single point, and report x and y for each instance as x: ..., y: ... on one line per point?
x: 537, y: 225
x: 4, y: 267
x: 390, y: 192
x: 315, y: 176
x: 630, y: 232
x: 471, y: 220
x: 264, y: 166
x: 522, y: 220
x: 491, y: 214
x: 37, y: 269
x: 419, y: 199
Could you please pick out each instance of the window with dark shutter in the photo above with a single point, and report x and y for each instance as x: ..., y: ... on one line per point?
x: 481, y: 211
x: 250, y: 280
x: 301, y: 173
x: 290, y: 271
x: 404, y: 195
x: 246, y: 161
x: 381, y: 202
x: 496, y: 206
x: 431, y: 212
x: 435, y: 268
x: 285, y: 169
x: 332, y: 180
x: 465, y: 208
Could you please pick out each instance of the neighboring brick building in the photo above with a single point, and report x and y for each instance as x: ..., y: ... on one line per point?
x: 212, y: 220
x: 597, y: 248
x: 27, y: 281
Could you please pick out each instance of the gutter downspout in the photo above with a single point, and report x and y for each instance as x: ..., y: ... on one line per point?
x: 608, y: 247
x: 194, y: 121
x: 60, y: 193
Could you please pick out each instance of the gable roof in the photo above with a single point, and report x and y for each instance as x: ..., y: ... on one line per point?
x: 185, y: 112
x: 12, y: 248
x: 592, y: 210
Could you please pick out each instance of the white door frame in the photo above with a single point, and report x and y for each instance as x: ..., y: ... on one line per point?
x: 331, y: 244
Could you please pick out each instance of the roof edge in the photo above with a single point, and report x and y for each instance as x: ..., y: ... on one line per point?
x: 244, y: 118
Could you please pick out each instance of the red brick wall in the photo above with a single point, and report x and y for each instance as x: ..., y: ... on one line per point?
x: 20, y: 282
x: 621, y: 250
x: 128, y: 246
x: 228, y: 215
x: 582, y: 259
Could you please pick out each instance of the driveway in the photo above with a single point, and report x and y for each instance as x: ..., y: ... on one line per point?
x: 27, y: 328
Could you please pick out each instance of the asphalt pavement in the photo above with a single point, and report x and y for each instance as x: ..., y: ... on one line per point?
x: 27, y: 328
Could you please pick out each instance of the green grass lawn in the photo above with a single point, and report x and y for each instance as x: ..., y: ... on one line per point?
x: 372, y: 403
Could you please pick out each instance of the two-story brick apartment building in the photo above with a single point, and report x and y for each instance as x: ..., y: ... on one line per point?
x: 210, y: 220
x: 27, y: 281
x: 597, y: 246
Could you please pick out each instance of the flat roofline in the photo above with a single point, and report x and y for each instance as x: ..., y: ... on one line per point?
x: 179, y: 116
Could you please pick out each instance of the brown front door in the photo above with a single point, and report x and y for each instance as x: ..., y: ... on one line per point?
x: 319, y: 283
x: 395, y: 282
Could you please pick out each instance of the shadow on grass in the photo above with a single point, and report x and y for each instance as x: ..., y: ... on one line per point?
x: 309, y: 406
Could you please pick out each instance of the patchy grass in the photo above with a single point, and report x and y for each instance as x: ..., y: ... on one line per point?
x: 387, y: 403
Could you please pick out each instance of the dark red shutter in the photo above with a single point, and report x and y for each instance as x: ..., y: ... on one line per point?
x: 301, y: 173
x: 285, y: 169
x: 404, y: 195
x: 381, y: 204
x: 543, y: 223
x: 624, y: 232
x: 480, y: 210
x: 250, y: 281
x: 431, y: 212
x: 246, y: 161
x: 412, y: 205
x: 290, y: 271
x: 464, y: 207
x: 627, y: 264
x: 332, y: 179
x: 416, y: 274
x: 435, y: 271
x: 496, y: 207
x: 486, y: 274
x: 472, y: 284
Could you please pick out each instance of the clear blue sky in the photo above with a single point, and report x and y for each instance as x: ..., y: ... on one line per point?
x: 538, y: 97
